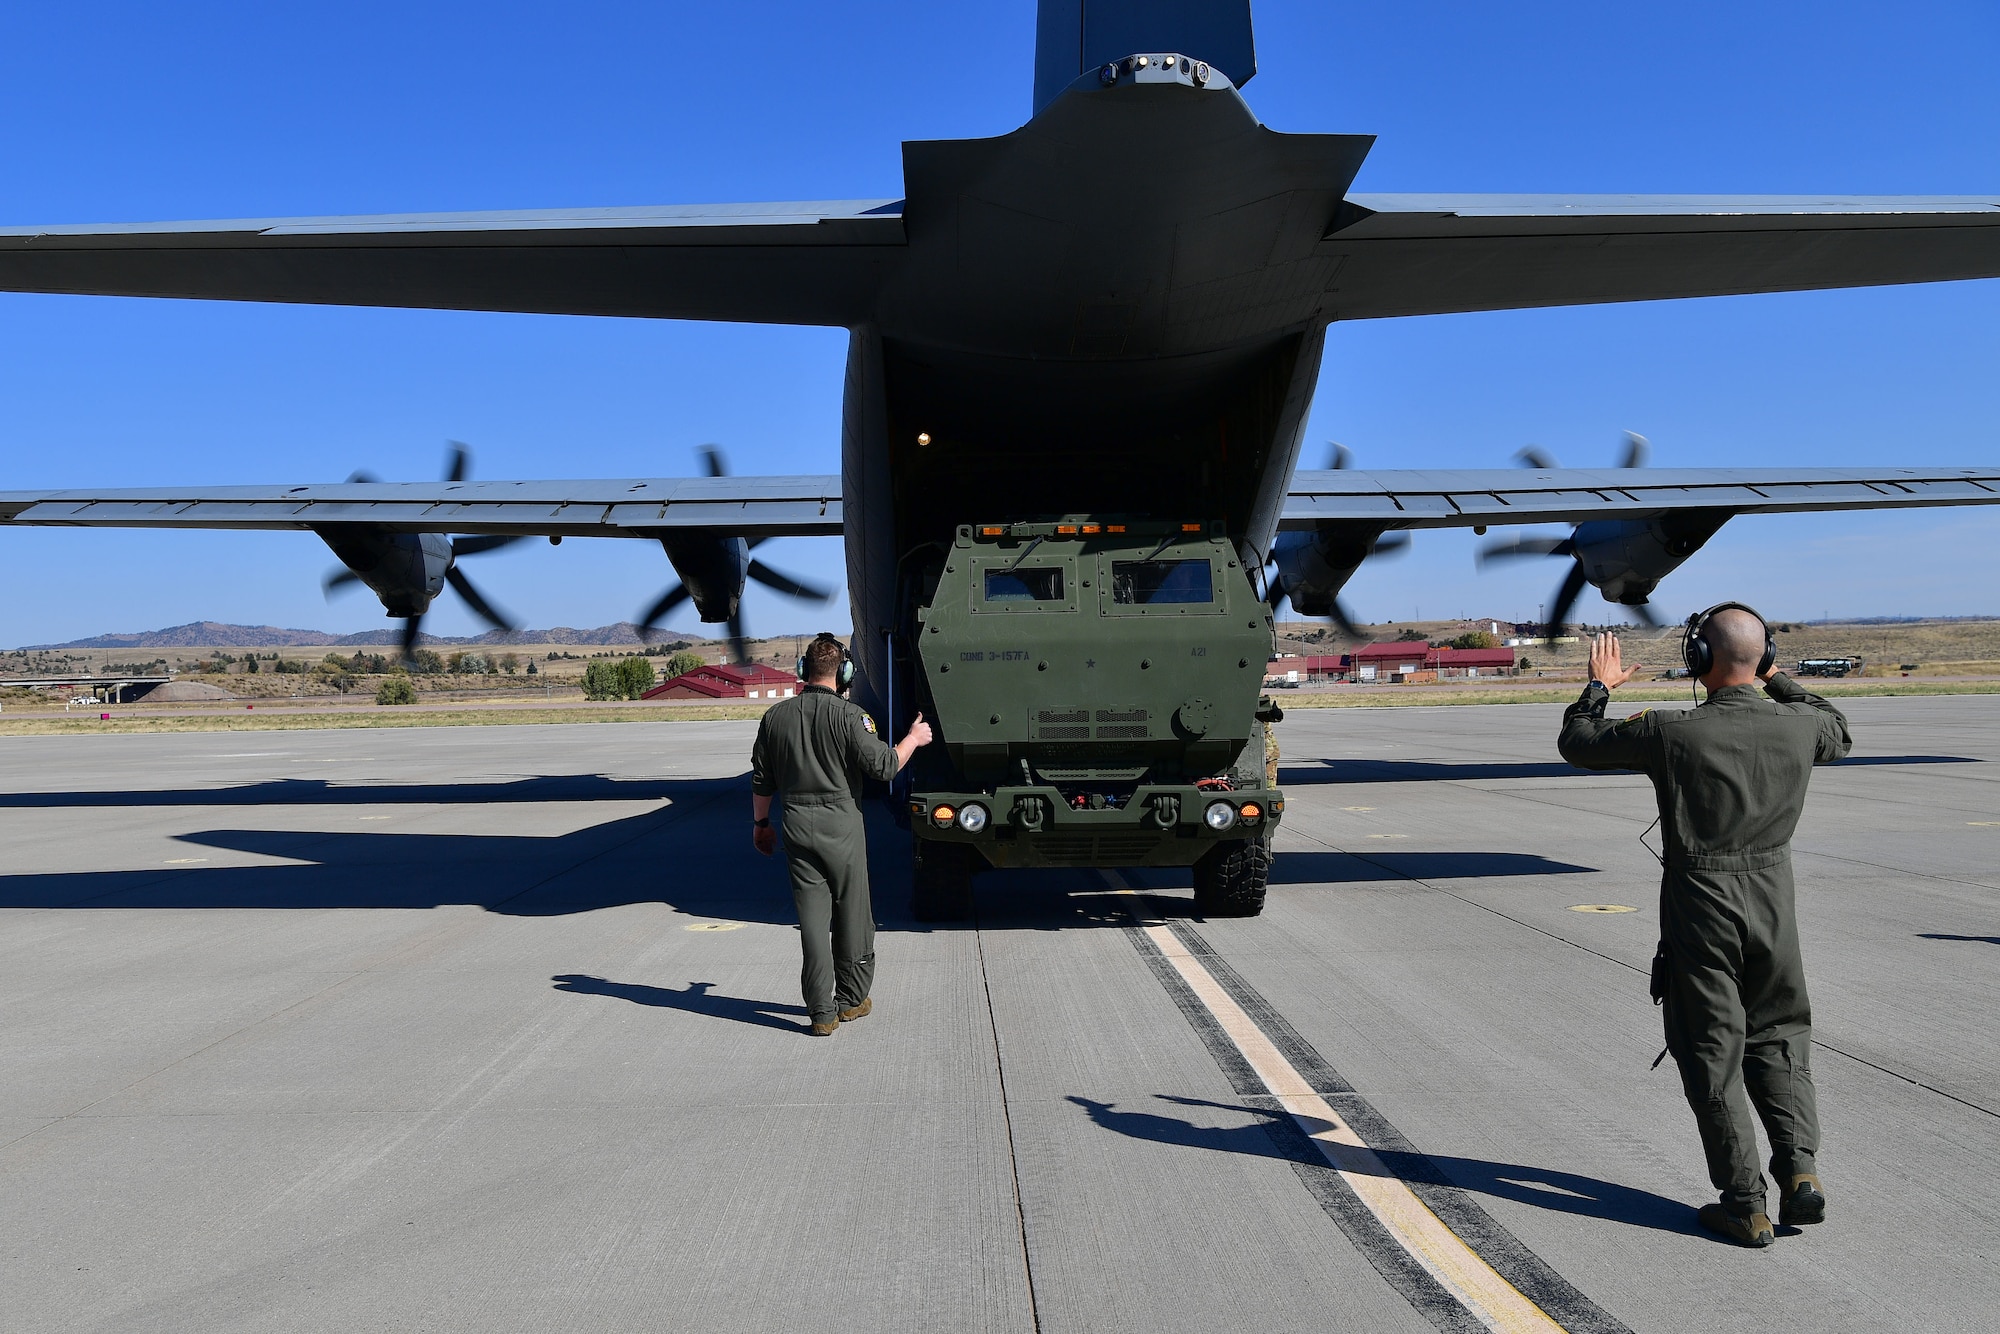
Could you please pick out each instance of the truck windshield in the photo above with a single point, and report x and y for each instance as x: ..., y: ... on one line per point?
x: 1034, y: 584
x: 1150, y: 582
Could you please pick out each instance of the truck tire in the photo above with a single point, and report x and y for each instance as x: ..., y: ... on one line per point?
x: 1230, y: 879
x: 941, y: 881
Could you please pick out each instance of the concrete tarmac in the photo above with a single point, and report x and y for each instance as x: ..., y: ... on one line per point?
x: 498, y: 1029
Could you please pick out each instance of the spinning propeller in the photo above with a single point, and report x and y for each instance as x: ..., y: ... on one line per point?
x: 713, y: 568
x: 1571, y: 587
x: 413, y: 583
x: 1311, y: 567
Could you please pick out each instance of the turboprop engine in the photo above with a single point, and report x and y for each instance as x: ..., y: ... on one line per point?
x: 714, y: 567
x: 1312, y: 567
x: 1624, y: 559
x: 408, y: 570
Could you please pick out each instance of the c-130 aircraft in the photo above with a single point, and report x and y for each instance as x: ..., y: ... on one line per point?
x: 1075, y: 393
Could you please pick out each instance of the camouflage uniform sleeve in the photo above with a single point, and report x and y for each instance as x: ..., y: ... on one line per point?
x: 1834, y: 741
x: 875, y: 757
x: 762, y: 781
x: 1590, y: 742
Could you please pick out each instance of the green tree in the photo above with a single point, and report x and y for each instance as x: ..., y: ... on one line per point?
x: 396, y: 690
x: 601, y: 681
x: 635, y: 676
x: 426, y: 662
x: 1473, y: 639
x: 681, y: 664
x: 532, y: 669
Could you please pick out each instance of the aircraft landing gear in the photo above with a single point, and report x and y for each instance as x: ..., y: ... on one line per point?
x: 941, y: 881
x: 1229, y: 880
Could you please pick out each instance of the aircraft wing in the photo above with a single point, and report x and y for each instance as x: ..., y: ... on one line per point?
x: 817, y: 262
x: 642, y: 507
x: 1435, y: 254
x: 1483, y: 497
x: 810, y: 506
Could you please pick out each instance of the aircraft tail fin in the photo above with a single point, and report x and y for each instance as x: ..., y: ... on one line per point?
x: 1072, y: 36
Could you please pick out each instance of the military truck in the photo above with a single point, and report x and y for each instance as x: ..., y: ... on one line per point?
x: 1095, y: 684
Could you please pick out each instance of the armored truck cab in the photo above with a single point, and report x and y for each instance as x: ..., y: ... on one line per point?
x: 1095, y: 686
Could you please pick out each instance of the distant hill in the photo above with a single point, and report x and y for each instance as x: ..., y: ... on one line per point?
x: 216, y: 634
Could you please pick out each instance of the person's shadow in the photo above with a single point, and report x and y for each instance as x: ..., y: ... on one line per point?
x: 1271, y: 1137
x: 697, y: 999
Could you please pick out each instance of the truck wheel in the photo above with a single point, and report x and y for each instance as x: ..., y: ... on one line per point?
x: 1230, y: 879
x: 941, y: 882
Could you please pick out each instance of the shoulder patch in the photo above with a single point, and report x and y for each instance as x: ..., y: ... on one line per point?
x: 868, y: 721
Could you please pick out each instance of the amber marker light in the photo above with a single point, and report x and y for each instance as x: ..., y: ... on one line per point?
x: 992, y: 532
x: 1090, y: 528
x: 943, y: 815
x: 1250, y: 810
x: 1114, y: 527
x: 1065, y: 528
x: 923, y: 437
x: 1190, y: 527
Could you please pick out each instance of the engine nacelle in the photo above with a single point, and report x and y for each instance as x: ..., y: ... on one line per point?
x: 1314, y: 566
x: 713, y: 567
x: 1625, y: 559
x: 405, y: 570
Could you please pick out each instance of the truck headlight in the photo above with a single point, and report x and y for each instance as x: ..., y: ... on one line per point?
x: 1219, y: 815
x: 972, y: 817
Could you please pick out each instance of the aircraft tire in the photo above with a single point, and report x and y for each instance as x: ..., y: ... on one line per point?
x: 941, y: 882
x: 1230, y: 880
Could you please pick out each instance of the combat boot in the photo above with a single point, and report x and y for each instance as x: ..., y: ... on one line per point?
x: 824, y: 1029
x: 861, y: 1011
x: 1746, y: 1229
x: 1803, y: 1203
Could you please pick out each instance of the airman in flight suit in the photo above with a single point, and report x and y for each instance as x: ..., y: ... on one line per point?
x: 817, y: 748
x: 1730, y: 777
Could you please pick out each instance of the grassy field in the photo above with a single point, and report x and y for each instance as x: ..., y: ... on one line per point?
x: 78, y: 723
x: 1391, y: 697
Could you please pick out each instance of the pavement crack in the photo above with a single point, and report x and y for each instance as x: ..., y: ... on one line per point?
x: 1007, y: 1120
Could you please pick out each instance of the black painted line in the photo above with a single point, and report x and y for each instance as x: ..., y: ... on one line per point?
x: 1355, y: 1219
x: 1530, y: 1275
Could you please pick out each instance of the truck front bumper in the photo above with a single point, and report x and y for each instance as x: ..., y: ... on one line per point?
x: 1159, y: 825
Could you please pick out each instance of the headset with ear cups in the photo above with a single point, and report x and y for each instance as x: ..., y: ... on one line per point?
x: 842, y: 678
x: 1699, y: 656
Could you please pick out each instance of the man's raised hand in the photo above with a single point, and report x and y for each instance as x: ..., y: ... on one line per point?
x: 920, y: 731
x: 1607, y: 664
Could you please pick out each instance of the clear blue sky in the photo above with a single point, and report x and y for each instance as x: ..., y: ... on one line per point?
x: 142, y: 111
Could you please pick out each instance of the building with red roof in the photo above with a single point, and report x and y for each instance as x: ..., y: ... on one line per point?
x: 728, y: 681
x: 1403, y: 660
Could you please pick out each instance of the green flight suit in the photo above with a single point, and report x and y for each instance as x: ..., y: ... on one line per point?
x: 816, y: 749
x: 1731, y: 779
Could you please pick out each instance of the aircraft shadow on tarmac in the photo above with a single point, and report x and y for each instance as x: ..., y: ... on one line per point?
x: 1440, y: 771
x: 689, y: 853
x: 324, y: 792
x: 697, y: 998
x: 1341, y: 868
x: 1275, y: 1135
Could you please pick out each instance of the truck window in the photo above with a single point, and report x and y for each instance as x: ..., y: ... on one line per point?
x: 1034, y: 584
x: 1152, y: 582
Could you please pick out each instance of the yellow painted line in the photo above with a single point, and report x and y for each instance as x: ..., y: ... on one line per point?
x: 185, y: 861
x: 713, y: 926
x: 1600, y: 907
x: 1476, y: 1285
x: 1982, y: 823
